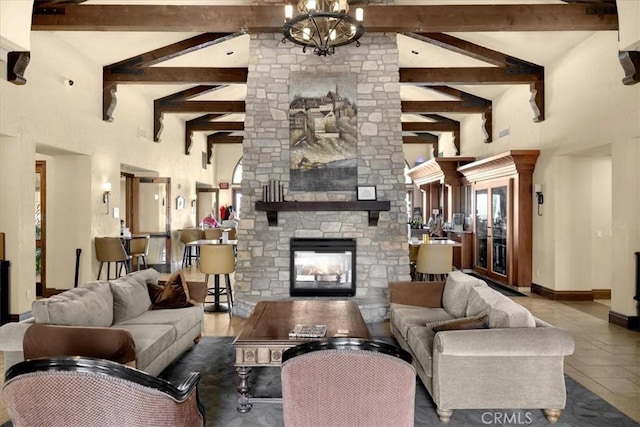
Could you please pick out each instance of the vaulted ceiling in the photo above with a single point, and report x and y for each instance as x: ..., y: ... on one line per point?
x: 190, y: 57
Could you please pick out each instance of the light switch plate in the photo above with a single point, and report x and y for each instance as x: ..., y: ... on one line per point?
x: 116, y: 212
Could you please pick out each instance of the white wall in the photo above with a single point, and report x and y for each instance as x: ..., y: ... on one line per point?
x: 587, y: 106
x: 65, y: 123
x: 629, y: 20
x: 15, y: 25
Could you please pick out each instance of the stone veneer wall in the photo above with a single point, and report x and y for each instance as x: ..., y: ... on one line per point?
x: 262, y: 270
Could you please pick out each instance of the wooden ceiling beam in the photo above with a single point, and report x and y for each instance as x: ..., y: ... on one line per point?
x: 17, y: 62
x: 378, y: 18
x: 630, y: 62
x: 462, y: 47
x: 220, y: 138
x: 224, y: 138
x: 183, y: 95
x: 217, y: 126
x: 429, y: 127
x: 138, y: 70
x: 441, y: 107
x: 178, y: 75
x: 467, y: 76
x: 168, y: 75
x: 171, y: 51
x: 205, y: 125
x: 422, y: 128
x: 421, y: 138
x: 518, y: 70
x: 204, y: 107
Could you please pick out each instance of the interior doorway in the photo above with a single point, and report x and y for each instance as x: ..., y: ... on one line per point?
x: 207, y: 201
x: 41, y: 227
x: 151, y: 214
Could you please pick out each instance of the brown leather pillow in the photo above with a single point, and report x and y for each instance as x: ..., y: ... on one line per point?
x: 463, y: 324
x: 173, y: 294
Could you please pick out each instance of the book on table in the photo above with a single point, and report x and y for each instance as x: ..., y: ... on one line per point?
x: 308, y: 331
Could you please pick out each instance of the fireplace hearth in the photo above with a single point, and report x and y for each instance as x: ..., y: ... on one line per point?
x: 323, y: 267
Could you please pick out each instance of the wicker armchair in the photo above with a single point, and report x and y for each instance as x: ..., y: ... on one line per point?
x: 86, y: 392
x: 345, y: 382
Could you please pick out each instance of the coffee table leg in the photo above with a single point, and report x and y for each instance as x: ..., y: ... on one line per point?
x: 243, y: 400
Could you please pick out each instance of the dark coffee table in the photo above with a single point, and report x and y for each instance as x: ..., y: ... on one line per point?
x: 266, y: 334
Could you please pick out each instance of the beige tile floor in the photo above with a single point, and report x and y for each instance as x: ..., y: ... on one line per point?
x: 606, y: 360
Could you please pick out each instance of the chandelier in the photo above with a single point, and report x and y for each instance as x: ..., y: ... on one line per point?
x: 322, y: 25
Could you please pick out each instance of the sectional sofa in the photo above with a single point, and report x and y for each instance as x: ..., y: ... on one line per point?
x: 475, y: 348
x: 97, y: 309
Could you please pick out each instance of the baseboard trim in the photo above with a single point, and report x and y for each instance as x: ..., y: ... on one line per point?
x: 562, y: 295
x: 628, y: 322
x: 601, y: 293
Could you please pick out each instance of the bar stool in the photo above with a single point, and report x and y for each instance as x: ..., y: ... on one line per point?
x: 217, y: 260
x: 213, y: 233
x: 139, y: 249
x: 189, y: 235
x: 413, y: 259
x: 110, y: 249
x: 434, y: 260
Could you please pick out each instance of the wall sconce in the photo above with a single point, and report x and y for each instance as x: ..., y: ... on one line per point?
x: 106, y: 187
x: 538, y: 191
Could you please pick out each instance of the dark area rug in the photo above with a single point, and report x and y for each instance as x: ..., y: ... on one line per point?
x: 214, y: 359
x: 505, y: 290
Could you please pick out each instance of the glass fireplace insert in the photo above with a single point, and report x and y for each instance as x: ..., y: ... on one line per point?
x: 323, y: 267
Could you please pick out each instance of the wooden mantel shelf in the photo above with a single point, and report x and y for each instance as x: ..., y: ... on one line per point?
x: 374, y: 207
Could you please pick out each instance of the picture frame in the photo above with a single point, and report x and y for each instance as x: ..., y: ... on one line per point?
x: 180, y: 202
x: 367, y: 192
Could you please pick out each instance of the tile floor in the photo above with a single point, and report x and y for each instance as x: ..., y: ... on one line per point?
x: 606, y: 359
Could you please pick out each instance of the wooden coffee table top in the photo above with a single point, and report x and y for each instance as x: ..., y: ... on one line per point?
x: 271, y: 321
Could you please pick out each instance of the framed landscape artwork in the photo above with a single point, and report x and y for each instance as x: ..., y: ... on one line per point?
x: 323, y: 132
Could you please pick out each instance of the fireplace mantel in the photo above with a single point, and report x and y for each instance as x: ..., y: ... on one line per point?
x: 374, y: 207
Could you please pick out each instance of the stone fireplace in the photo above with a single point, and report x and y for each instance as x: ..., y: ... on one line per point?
x: 264, y: 256
x: 322, y: 267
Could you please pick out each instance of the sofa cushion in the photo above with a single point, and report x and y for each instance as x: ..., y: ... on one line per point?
x: 481, y: 300
x: 151, y: 341
x: 456, y: 292
x: 144, y: 277
x: 130, y: 298
x: 463, y: 324
x: 405, y: 316
x: 420, y: 340
x: 181, y: 319
x: 509, y: 314
x: 88, y: 305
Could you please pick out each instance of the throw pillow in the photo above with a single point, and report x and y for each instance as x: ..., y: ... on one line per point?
x: 464, y: 324
x: 173, y: 294
x: 130, y: 298
x: 456, y: 292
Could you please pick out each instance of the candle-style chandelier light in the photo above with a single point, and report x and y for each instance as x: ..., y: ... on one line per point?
x: 322, y: 25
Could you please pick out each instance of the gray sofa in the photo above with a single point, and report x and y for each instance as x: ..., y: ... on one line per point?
x: 159, y: 335
x: 516, y: 362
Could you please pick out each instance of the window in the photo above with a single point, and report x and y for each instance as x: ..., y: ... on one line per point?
x: 237, y: 174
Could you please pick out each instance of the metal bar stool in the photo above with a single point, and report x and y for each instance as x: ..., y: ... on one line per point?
x: 217, y: 260
x: 189, y: 235
x: 434, y: 260
x: 110, y: 249
x: 139, y: 249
